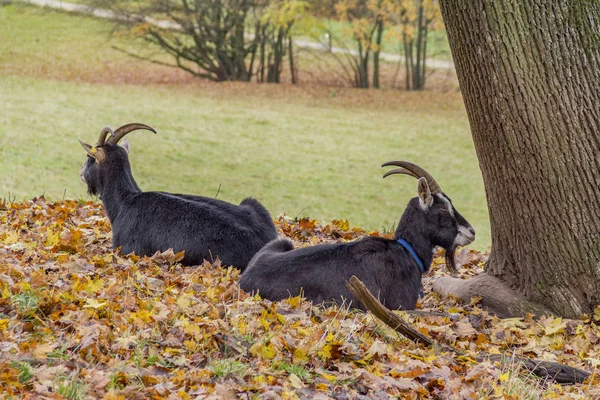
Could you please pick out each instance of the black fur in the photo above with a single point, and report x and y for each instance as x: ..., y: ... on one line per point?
x: 147, y: 222
x: 389, y: 271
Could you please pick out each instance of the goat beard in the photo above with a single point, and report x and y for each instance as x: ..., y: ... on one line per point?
x: 451, y: 260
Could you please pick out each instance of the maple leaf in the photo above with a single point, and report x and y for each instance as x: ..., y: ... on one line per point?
x: 556, y: 325
x: 263, y: 350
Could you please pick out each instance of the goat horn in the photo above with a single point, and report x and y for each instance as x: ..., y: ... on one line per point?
x: 415, y: 171
x: 93, y: 151
x: 103, y: 133
x: 125, y: 129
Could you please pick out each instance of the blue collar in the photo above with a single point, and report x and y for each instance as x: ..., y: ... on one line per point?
x: 413, y: 253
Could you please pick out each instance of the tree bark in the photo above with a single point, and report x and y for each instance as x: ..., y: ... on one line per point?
x: 424, y: 54
x: 530, y: 76
x: 362, y: 68
x: 293, y: 71
x: 408, y: 60
x: 419, y: 44
x: 378, y: 40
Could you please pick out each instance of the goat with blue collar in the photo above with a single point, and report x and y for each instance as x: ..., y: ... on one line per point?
x: 390, y: 268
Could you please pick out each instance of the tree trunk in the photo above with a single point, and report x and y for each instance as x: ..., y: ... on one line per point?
x: 530, y: 76
x: 424, y: 54
x: 362, y: 70
x: 419, y: 43
x: 263, y: 40
x: 293, y: 71
x: 408, y: 60
x: 278, y: 50
x: 379, y: 39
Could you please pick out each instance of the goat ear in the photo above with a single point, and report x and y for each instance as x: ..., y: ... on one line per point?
x: 125, y: 144
x: 425, y: 197
x: 94, y: 152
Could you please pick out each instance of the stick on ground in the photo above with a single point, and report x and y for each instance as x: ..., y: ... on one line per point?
x: 560, y: 373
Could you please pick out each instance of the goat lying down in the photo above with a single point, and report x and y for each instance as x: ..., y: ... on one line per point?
x: 390, y: 268
x: 147, y: 222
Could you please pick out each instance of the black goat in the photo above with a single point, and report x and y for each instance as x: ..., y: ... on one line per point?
x: 390, y: 268
x: 147, y: 222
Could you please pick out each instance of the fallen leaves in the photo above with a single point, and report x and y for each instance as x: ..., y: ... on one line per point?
x: 77, y: 317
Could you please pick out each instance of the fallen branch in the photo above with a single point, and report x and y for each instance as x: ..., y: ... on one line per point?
x: 560, y: 373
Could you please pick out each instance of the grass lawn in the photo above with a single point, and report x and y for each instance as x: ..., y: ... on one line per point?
x: 305, y: 151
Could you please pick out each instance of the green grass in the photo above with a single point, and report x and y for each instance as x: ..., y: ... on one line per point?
x: 72, y: 389
x: 26, y: 371
x: 304, y: 151
x: 296, y: 369
x: 228, y: 366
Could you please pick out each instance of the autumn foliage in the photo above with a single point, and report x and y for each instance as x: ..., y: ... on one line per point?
x: 79, y: 320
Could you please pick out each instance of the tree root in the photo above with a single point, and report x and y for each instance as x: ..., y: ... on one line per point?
x: 559, y: 373
x: 496, y: 296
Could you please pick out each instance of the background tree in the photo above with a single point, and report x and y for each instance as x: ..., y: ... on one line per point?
x: 417, y: 18
x: 276, y: 39
x: 530, y: 76
x: 213, y: 41
x: 366, y: 21
x: 219, y: 40
x: 368, y: 24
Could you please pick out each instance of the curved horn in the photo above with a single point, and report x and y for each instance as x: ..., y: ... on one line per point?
x: 97, y: 153
x: 125, y: 129
x: 103, y: 133
x: 415, y: 171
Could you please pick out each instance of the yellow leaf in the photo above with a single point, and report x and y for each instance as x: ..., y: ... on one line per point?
x: 597, y: 313
x: 141, y: 316
x: 504, y: 377
x: 325, y: 352
x: 260, y: 380
x: 329, y: 337
x: 300, y: 356
x: 184, y: 301
x: 93, y: 303
x: 94, y: 286
x: 329, y: 377
x: 10, y: 238
x: 5, y: 291
x: 192, y: 330
x: 343, y: 225
x: 294, y: 301
x: 265, y: 351
x: 183, y: 395
x: 556, y: 326
x: 52, y: 238
x: 190, y: 345
x: 465, y: 359
x: 3, y: 324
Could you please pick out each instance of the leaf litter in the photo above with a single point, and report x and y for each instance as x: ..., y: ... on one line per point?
x: 79, y: 320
